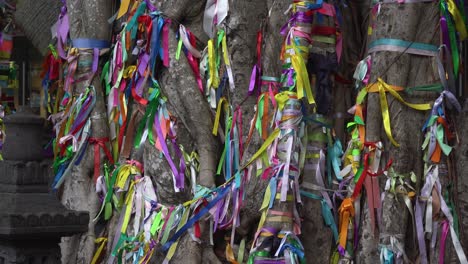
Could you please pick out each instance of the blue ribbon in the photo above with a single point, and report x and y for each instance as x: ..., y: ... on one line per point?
x: 85, y: 43
x: 403, y: 44
x: 196, y: 217
x: 328, y: 219
x: 59, y: 174
x: 317, y: 5
x: 158, y: 23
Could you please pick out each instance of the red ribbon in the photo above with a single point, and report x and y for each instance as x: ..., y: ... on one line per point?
x: 165, y: 42
x: 193, y: 62
x: 323, y: 30
x: 99, y: 143
x: 148, y: 22
x: 135, y: 95
x: 371, y: 184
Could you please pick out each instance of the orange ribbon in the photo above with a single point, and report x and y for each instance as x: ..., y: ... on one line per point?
x: 346, y: 212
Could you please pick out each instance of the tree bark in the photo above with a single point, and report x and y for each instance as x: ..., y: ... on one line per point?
x: 410, y: 22
x: 79, y: 190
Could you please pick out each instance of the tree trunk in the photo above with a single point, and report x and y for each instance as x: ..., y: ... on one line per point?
x: 415, y: 23
x: 79, y: 190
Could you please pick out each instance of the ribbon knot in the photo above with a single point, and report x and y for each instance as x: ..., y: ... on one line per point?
x: 382, y: 87
x: 136, y: 164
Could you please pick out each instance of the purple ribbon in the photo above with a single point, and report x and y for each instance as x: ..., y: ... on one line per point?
x: 95, y: 60
x: 289, y: 72
x: 300, y: 17
x: 254, y: 80
x: 178, y: 176
x: 150, y: 6
x: 63, y: 28
x: 144, y: 59
x: 445, y: 34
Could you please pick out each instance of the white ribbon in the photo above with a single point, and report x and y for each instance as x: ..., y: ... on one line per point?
x: 183, y: 36
x: 214, y: 9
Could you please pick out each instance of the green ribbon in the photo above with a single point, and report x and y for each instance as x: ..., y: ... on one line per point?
x: 169, y: 224
x: 452, y: 37
x: 217, y: 47
x: 425, y: 88
x: 262, y: 254
x: 105, y: 77
x: 179, y: 48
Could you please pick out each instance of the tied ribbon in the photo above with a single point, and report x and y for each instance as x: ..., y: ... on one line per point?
x: 382, y: 89
x: 222, y: 105
x: 215, y: 13
x: 123, y: 8
x: 371, y: 183
x: 302, y: 77
x: 99, y: 143
x: 458, y: 19
x: 189, y: 42
x: 346, y: 211
x: 213, y: 80
x: 102, y: 241
x: 255, y: 77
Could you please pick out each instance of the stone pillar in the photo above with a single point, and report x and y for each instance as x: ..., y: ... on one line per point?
x: 32, y: 220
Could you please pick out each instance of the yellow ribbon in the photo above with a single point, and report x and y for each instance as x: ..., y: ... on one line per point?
x: 283, y: 97
x: 221, y: 102
x: 213, y: 80
x: 302, y: 77
x: 457, y: 17
x: 383, y: 88
x: 123, y: 175
x: 264, y: 208
x: 225, y: 51
x: 230, y: 254
x: 123, y: 8
x: 289, y: 197
x: 128, y: 72
x: 128, y: 210
x: 102, y: 241
x: 264, y: 146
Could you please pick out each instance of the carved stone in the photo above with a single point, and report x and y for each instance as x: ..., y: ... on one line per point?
x: 32, y: 221
x: 24, y: 134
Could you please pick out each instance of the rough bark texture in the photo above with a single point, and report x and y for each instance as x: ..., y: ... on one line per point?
x: 461, y: 165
